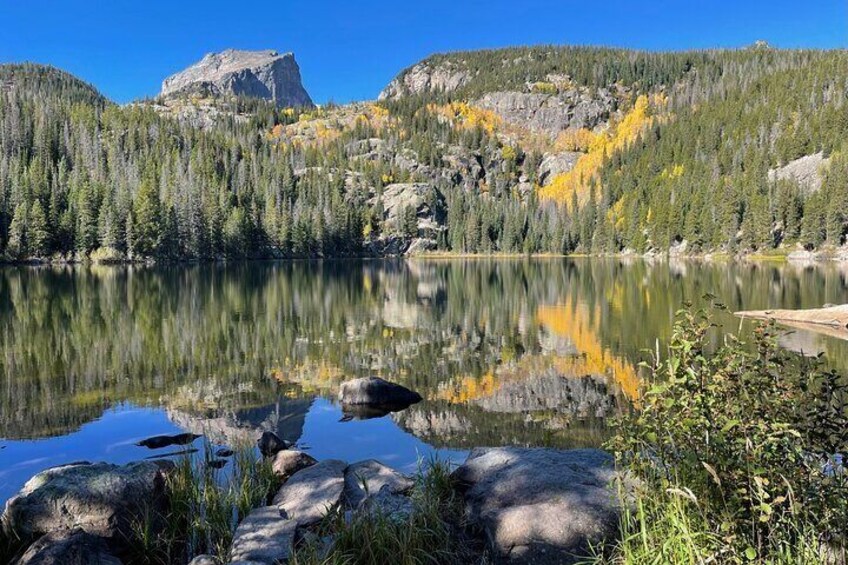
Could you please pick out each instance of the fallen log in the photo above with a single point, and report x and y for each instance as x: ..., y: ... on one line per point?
x: 831, y: 321
x: 834, y: 316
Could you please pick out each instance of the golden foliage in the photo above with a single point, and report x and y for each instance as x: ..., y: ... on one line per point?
x: 579, y: 180
x: 575, y: 140
x: 466, y: 116
x: 574, y: 323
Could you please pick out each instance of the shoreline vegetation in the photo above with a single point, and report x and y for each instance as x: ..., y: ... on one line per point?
x: 827, y: 255
x: 733, y: 456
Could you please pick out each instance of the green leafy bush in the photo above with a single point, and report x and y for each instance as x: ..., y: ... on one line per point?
x: 750, y: 435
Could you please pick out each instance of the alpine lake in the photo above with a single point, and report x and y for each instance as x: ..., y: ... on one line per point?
x: 529, y: 352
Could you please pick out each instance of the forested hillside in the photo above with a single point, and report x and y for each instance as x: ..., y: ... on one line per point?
x: 620, y: 150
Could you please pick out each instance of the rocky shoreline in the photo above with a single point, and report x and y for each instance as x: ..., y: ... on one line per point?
x: 523, y: 505
x: 526, y: 505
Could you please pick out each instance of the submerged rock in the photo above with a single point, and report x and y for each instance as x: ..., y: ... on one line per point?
x: 264, y: 536
x: 311, y: 493
x: 374, y: 391
x: 98, y: 498
x: 541, y: 505
x: 68, y: 547
x: 158, y: 442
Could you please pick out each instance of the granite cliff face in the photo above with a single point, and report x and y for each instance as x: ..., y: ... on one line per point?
x: 425, y: 78
x: 257, y: 74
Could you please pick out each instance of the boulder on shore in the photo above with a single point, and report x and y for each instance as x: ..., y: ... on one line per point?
x: 62, y: 548
x: 311, y: 493
x: 264, y: 536
x: 367, y: 478
x: 541, y: 505
x: 374, y: 391
x: 101, y: 499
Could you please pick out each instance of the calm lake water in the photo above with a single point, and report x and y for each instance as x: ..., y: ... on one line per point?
x: 526, y: 352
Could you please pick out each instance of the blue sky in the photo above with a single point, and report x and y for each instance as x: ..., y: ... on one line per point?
x: 348, y: 50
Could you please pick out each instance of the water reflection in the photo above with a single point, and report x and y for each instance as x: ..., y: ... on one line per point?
x: 530, y: 352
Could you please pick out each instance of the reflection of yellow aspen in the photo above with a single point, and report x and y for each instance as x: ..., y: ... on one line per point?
x: 595, y: 359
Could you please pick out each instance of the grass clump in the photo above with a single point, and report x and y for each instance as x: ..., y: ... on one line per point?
x: 206, y: 505
x: 739, y: 450
x: 433, y: 532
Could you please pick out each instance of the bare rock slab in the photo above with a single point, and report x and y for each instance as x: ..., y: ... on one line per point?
x: 62, y: 548
x: 98, y: 498
x: 369, y: 477
x: 264, y: 536
x: 541, y: 505
x: 312, y: 492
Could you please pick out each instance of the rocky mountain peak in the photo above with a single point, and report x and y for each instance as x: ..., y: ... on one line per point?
x: 263, y: 74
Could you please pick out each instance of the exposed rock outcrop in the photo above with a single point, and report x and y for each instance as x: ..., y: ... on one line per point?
x: 257, y: 74
x: 552, y: 113
x: 807, y: 171
x: 423, y: 78
x: 554, y: 164
x: 541, y: 505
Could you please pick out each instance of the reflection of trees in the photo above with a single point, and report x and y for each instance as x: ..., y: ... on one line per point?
x: 76, y: 340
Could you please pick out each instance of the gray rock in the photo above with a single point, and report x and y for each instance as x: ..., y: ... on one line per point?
x: 68, y: 547
x: 288, y: 462
x: 311, y: 493
x: 205, y: 560
x: 264, y: 536
x: 385, y: 503
x: 367, y: 478
x: 555, y: 164
x: 100, y: 498
x: 376, y: 392
x: 541, y: 505
x: 270, y: 444
x: 256, y: 74
x: 425, y: 77
x: 806, y: 171
x: 423, y: 198
x: 551, y: 114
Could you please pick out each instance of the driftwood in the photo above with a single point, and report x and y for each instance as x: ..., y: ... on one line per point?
x: 832, y: 321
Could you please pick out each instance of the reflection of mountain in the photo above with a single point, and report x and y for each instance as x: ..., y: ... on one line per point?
x: 471, y: 336
x: 567, y: 397
x: 461, y: 426
x: 284, y: 417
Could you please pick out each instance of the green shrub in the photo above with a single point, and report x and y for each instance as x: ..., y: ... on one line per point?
x: 749, y: 435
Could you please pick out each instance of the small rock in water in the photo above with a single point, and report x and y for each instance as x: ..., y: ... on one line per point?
x: 158, y: 442
x: 270, y: 444
x: 289, y: 461
x: 223, y: 452
x: 216, y: 463
x: 375, y: 392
